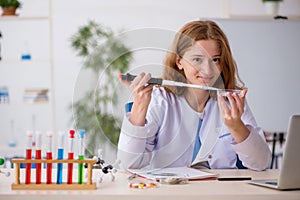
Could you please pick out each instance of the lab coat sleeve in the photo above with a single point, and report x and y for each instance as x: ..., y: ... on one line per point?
x: 136, y: 143
x: 134, y: 147
x: 254, y: 152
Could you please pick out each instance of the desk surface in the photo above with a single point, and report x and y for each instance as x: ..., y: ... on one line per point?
x: 205, y: 189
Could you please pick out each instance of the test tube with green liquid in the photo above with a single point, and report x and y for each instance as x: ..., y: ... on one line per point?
x: 81, y: 157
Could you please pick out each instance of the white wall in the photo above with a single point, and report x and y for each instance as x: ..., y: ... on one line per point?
x: 247, y: 39
x: 266, y: 53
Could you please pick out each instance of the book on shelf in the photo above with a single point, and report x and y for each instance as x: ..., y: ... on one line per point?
x: 35, y: 95
x: 36, y: 91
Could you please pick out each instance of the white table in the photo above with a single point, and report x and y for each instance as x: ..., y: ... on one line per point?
x: 200, y: 190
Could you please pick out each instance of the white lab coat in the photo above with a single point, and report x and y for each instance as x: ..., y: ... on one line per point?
x: 168, y: 137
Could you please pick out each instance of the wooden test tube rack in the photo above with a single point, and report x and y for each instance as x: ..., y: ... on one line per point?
x: 17, y: 185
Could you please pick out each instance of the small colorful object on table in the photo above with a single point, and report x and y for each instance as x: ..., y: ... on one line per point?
x: 1, y: 161
x: 7, y: 174
x: 143, y: 185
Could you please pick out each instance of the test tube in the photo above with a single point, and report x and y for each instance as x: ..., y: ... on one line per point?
x: 81, y: 157
x: 49, y: 136
x: 60, y: 156
x: 71, y: 155
x: 28, y: 156
x: 38, y: 156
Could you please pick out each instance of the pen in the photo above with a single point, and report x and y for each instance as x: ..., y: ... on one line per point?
x: 234, y: 178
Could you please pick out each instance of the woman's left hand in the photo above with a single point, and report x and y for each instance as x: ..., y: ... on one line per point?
x: 232, y: 114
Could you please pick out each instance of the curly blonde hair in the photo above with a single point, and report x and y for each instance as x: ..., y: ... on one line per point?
x: 185, y: 38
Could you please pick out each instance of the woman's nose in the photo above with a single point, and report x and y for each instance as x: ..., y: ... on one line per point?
x: 206, y: 67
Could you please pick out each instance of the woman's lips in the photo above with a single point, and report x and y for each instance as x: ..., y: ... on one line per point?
x: 205, y: 79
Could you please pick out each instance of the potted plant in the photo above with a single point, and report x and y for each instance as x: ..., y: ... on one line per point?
x: 9, y: 7
x: 272, y: 6
x: 104, y: 54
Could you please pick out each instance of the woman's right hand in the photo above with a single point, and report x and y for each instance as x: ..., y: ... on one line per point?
x: 142, y: 95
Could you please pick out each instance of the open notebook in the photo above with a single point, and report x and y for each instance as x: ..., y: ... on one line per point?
x: 290, y: 170
x: 176, y: 172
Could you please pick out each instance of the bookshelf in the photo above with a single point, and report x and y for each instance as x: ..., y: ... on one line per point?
x: 256, y: 10
x: 19, y: 73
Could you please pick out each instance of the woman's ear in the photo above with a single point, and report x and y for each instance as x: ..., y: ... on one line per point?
x: 178, y: 62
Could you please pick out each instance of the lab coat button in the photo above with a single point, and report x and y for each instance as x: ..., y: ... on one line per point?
x: 209, y: 156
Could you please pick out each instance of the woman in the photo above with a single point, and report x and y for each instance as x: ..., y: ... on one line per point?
x: 180, y: 126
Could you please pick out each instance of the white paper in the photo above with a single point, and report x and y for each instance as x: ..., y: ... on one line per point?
x: 177, y: 172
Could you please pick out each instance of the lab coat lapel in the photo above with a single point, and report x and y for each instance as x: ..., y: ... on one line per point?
x: 182, y: 140
x: 210, y: 130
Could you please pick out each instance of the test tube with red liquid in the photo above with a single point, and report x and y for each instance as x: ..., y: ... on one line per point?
x: 38, y: 156
x: 71, y: 156
x: 49, y: 137
x: 28, y: 156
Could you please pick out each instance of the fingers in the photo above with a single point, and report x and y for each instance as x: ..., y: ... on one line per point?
x: 237, y: 104
x: 240, y: 100
x: 235, y: 109
x: 223, y: 106
x: 244, y: 92
x: 232, y: 101
x: 140, y: 82
x: 124, y: 82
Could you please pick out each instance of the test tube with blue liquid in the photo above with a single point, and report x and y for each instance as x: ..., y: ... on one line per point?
x: 81, y: 157
x: 60, y: 156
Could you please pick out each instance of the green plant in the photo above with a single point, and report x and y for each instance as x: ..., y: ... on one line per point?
x: 10, y: 3
x: 104, y: 53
